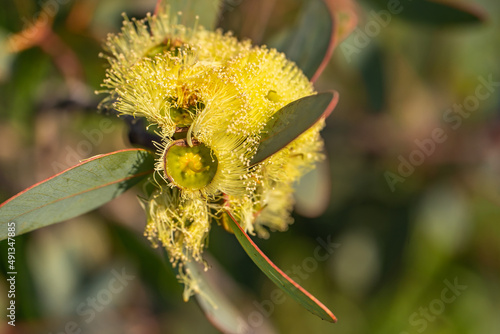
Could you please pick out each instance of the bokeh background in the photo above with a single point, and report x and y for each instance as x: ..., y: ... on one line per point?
x: 411, y: 187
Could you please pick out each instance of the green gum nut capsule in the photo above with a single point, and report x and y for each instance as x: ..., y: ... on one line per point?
x: 189, y: 168
x: 181, y: 117
x: 182, y: 113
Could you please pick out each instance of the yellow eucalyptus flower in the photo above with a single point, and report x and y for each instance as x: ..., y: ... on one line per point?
x: 181, y: 226
x: 213, y: 98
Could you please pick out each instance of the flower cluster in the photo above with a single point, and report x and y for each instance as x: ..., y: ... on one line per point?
x: 212, y: 99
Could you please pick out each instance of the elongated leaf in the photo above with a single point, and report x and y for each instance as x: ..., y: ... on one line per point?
x: 435, y: 12
x: 205, y: 11
x: 310, y: 42
x: 216, y: 306
x: 292, y: 120
x: 76, y: 190
x: 278, y: 277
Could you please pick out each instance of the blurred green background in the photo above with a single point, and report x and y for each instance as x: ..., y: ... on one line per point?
x: 413, y: 149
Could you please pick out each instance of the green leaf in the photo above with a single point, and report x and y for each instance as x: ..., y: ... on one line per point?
x: 76, y: 190
x: 310, y: 42
x: 207, y: 11
x: 434, y: 12
x: 214, y: 303
x: 291, y: 121
x: 278, y: 277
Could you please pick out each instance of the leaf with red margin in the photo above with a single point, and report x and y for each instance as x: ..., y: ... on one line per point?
x: 292, y: 120
x: 278, y: 277
x: 311, y: 41
x: 434, y: 12
x: 76, y: 190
